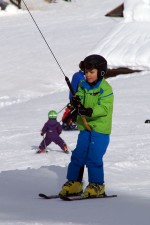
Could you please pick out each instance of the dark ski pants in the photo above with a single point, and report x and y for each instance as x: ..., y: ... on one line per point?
x: 48, y: 140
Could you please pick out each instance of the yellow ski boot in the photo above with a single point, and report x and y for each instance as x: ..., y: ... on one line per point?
x: 94, y: 190
x: 71, y: 188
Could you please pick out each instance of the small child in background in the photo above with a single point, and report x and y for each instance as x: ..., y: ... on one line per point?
x: 52, y: 128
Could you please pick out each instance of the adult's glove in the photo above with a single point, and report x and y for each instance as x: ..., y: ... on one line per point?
x: 75, y: 101
x: 85, y: 111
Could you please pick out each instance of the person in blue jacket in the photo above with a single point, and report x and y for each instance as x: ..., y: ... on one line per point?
x: 69, y: 117
x: 76, y: 78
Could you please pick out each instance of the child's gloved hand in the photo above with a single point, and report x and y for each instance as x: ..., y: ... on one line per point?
x: 85, y: 111
x: 75, y: 101
x: 42, y: 134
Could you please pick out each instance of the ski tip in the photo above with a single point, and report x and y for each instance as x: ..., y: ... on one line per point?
x: 111, y: 196
x: 43, y: 196
x: 107, y: 195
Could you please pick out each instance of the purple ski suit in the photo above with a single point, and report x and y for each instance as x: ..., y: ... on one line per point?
x: 52, y: 128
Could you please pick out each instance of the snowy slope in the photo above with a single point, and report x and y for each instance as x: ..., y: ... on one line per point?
x: 31, y: 85
x: 126, y: 40
x: 128, y: 44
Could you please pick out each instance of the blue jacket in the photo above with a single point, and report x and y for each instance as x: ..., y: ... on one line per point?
x: 77, y: 77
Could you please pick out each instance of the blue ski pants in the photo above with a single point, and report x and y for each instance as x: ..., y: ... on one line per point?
x: 90, y: 149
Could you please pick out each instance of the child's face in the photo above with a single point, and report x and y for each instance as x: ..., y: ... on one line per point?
x: 91, y: 75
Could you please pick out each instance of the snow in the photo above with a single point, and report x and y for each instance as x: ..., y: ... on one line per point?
x: 32, y: 84
x: 137, y: 10
x: 128, y: 42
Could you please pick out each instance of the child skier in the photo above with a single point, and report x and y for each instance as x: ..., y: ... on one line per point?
x: 94, y: 101
x: 52, y: 129
x: 70, y: 116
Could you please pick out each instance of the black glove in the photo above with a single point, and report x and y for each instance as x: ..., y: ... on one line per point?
x: 75, y: 101
x: 42, y: 134
x: 69, y: 106
x: 85, y: 111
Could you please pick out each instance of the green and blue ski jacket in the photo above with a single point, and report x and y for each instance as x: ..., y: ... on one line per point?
x: 100, y: 98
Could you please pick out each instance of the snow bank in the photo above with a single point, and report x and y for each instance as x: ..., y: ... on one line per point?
x: 127, y: 46
x: 137, y: 10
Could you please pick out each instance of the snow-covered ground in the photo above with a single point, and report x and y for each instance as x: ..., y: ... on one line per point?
x: 32, y: 84
x: 128, y: 43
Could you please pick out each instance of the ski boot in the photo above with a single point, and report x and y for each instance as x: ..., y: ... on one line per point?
x: 71, y: 188
x: 94, y: 190
x: 41, y: 150
x: 65, y: 149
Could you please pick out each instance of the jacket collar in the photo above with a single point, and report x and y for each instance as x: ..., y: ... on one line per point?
x: 87, y: 86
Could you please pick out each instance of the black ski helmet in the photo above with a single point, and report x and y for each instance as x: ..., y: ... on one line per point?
x: 95, y: 62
